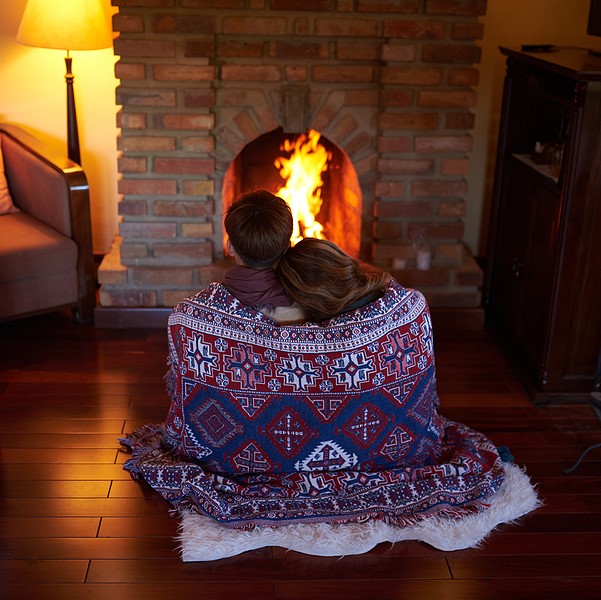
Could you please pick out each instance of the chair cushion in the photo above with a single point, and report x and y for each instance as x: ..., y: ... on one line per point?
x: 29, y: 248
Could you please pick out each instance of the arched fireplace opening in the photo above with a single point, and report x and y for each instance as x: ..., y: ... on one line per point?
x: 260, y: 165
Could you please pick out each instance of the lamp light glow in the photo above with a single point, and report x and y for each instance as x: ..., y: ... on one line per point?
x: 66, y: 25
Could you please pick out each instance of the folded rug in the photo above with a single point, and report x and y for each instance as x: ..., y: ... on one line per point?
x: 203, y: 539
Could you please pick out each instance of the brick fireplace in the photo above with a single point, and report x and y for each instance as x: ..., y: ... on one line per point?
x: 386, y: 82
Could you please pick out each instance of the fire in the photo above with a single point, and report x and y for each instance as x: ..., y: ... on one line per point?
x: 302, y: 174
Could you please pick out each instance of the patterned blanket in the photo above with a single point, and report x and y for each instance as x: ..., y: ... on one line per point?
x: 329, y: 423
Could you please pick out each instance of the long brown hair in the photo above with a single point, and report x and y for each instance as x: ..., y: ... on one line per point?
x: 324, y: 280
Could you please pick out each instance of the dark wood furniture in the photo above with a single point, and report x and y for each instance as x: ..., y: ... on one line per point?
x: 543, y: 276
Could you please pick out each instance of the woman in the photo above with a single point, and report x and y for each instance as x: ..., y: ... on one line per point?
x: 325, y: 281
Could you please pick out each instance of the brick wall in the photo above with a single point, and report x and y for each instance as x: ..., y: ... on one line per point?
x: 389, y: 81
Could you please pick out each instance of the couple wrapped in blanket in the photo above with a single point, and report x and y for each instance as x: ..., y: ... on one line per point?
x: 307, y: 394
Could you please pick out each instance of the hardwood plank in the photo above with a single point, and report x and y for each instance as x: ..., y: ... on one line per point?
x: 136, y: 526
x: 26, y: 571
x: 244, y: 590
x: 59, y: 455
x: 56, y: 489
x: 45, y: 527
x: 61, y: 471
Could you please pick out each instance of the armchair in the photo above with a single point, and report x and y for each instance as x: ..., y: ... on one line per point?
x: 46, y: 260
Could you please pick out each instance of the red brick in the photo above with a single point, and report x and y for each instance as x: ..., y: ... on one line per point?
x: 199, y: 187
x: 398, y: 166
x: 144, y: 3
x: 437, y: 187
x: 186, y: 121
x: 136, y: 250
x: 128, y: 164
x: 131, y: 71
x: 312, y: 5
x: 128, y: 23
x: 200, y: 253
x: 408, y: 121
x: 359, y: 144
x: 447, y: 99
x: 250, y: 73
x: 198, y: 166
x: 451, y: 53
x: 146, y: 143
x: 126, y: 298
x: 147, y: 48
x: 454, y: 143
x: 145, y: 97
x: 466, y: 77
x: 416, y: 278
x: 184, y: 23
x: 451, y: 209
x: 438, y: 231
x: 344, y: 73
x: 145, y: 230
x: 161, y: 276
x: 460, y: 120
x: 456, y: 7
x: 199, y: 99
x: 298, y: 50
x: 357, y: 51
x: 394, y: 144
x: 388, y: 6
x: 131, y: 120
x: 347, y: 27
x: 469, y: 273
x: 387, y: 230
x: 455, y: 166
x: 151, y: 187
x: 396, y: 98
x: 394, y: 189
x: 415, y: 29
x: 198, y: 144
x: 449, y: 253
x: 137, y: 208
x: 183, y: 72
x: 200, y: 48
x: 240, y: 48
x: 361, y: 97
x: 296, y: 73
x: 221, y: 4
x: 254, y: 26
x: 411, y: 75
x: 402, y: 209
x: 196, y: 230
x: 188, y: 208
x: 467, y: 31
x: 398, y: 52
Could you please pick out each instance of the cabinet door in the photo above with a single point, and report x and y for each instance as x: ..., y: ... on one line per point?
x: 539, y: 259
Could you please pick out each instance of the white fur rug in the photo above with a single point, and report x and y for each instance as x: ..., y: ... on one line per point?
x: 202, y: 538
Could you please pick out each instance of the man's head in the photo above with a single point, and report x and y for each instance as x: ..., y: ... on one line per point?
x: 259, y: 226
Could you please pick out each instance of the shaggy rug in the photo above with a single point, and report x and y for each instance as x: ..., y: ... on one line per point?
x: 203, y: 539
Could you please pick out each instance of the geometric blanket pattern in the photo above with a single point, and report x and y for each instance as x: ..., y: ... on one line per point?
x: 332, y: 423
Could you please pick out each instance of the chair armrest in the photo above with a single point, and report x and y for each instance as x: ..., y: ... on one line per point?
x: 47, y: 185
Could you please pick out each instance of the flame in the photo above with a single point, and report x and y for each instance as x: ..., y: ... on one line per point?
x: 302, y: 174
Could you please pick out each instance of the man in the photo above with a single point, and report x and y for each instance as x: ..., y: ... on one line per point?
x: 259, y: 225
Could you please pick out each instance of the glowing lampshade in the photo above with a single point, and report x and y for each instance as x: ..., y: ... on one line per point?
x: 65, y: 25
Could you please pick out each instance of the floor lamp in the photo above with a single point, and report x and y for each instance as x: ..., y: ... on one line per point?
x: 66, y: 25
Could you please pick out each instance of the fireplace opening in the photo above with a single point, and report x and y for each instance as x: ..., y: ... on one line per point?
x: 312, y: 174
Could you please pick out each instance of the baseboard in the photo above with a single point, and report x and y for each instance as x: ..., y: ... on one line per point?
x: 131, y: 318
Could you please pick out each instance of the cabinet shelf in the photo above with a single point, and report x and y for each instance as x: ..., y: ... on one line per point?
x: 544, y: 169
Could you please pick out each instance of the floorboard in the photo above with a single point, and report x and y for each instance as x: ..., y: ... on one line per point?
x: 73, y: 524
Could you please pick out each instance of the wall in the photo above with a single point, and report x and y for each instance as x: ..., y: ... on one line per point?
x: 25, y: 71
x: 34, y: 97
x: 511, y: 23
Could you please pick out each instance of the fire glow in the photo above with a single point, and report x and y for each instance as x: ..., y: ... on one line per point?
x: 302, y: 173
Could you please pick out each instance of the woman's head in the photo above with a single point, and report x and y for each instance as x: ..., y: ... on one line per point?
x: 323, y: 279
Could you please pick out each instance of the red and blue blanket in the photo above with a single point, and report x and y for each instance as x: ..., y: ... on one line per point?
x: 335, y: 422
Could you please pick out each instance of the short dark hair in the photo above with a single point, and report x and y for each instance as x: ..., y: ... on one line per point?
x: 259, y: 225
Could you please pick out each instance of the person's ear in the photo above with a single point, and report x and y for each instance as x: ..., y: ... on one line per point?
x: 230, y: 249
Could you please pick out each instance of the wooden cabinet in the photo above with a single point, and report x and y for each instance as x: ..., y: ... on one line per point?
x: 542, y: 290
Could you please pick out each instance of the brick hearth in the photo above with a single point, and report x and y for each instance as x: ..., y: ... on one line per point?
x: 388, y: 81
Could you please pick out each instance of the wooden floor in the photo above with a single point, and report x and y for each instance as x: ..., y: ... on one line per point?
x: 73, y: 525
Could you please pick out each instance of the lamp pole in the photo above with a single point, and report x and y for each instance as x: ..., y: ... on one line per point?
x: 72, y: 130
